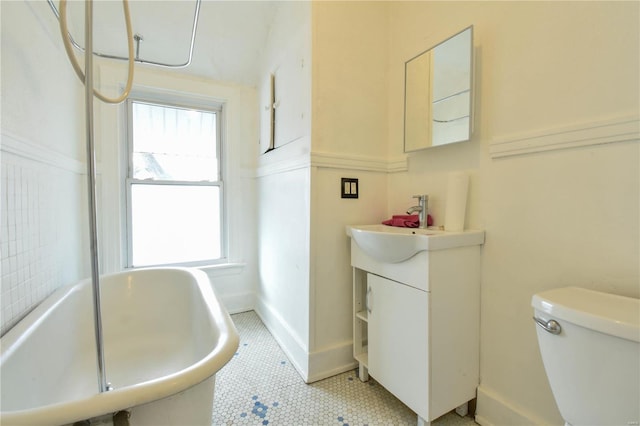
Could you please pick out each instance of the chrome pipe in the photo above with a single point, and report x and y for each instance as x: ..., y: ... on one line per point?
x: 137, y: 59
x: 91, y: 177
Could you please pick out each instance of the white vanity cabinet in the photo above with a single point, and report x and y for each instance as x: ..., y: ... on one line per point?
x: 398, y: 350
x: 416, y: 326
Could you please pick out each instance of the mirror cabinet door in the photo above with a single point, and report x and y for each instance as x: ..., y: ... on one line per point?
x: 417, y: 116
x: 438, y: 89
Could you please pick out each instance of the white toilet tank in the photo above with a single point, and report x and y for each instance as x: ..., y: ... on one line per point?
x: 592, y: 359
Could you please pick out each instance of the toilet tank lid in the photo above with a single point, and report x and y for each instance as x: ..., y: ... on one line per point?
x: 607, y: 313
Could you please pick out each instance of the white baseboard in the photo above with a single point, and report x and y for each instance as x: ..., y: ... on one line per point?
x: 286, y: 338
x: 331, y: 361
x: 494, y: 409
x: 239, y: 302
x: 311, y: 366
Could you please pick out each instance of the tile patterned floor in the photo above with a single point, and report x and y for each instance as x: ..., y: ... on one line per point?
x: 259, y: 386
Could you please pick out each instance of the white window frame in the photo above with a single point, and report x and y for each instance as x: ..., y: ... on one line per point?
x: 185, y: 102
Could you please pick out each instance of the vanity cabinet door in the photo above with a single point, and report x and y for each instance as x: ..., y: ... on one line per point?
x: 398, y: 341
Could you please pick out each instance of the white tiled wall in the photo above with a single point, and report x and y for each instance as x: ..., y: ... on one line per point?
x: 41, y: 231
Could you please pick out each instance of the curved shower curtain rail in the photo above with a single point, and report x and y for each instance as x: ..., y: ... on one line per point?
x: 137, y: 59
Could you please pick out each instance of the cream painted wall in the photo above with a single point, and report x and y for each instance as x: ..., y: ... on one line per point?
x: 350, y: 77
x: 331, y: 269
x: 349, y: 122
x: 565, y: 218
x: 557, y: 218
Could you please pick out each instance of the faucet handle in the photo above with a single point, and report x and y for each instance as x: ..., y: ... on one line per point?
x: 421, y: 197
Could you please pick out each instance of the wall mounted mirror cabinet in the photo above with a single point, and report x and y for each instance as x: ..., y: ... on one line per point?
x: 438, y: 94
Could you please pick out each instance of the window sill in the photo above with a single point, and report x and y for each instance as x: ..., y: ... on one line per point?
x: 223, y: 269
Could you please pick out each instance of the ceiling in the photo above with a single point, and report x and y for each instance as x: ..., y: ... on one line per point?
x: 229, y: 38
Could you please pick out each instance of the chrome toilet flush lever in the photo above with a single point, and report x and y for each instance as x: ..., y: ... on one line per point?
x: 551, y: 326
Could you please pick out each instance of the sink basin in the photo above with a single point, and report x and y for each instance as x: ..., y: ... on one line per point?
x: 391, y: 244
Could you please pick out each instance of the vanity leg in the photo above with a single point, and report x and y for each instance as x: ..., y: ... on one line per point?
x: 463, y: 410
x: 423, y: 422
x: 363, y: 372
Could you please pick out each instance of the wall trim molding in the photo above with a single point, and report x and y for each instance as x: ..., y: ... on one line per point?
x: 282, y: 166
x: 493, y: 409
x: 19, y: 146
x: 239, y: 302
x: 331, y: 361
x: 289, y: 342
x: 328, y: 160
x: 618, y: 129
x: 313, y: 366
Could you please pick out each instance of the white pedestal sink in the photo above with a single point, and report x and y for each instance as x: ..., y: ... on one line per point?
x: 393, y: 244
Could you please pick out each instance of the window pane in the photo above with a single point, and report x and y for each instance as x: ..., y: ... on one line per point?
x: 175, y: 223
x: 174, y: 143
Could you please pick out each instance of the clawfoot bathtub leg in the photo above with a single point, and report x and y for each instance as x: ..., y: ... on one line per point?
x: 121, y: 418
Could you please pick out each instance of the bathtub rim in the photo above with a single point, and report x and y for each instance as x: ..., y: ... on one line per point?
x: 99, y: 404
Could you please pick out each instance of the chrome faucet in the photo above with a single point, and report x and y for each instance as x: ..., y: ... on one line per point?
x: 421, y: 208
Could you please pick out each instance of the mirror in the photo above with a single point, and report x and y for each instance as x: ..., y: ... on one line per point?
x: 437, y: 94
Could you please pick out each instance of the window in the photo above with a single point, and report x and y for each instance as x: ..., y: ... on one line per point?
x: 174, y: 184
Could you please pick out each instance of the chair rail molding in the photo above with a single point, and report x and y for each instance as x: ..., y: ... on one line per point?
x: 334, y: 161
x: 16, y: 145
x: 618, y: 129
x: 357, y: 162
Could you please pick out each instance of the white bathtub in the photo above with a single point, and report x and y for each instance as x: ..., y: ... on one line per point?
x: 165, y: 336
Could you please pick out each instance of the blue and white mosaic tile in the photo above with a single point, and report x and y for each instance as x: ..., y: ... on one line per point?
x: 259, y: 386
